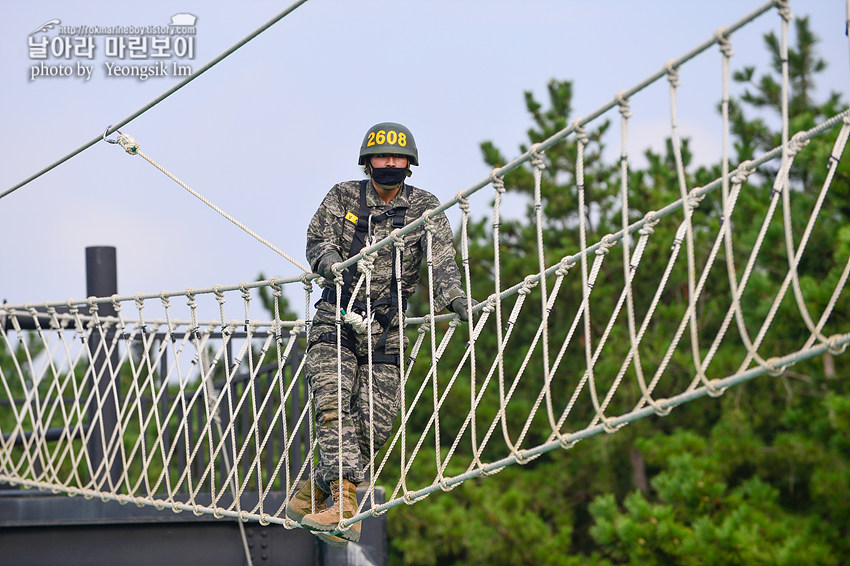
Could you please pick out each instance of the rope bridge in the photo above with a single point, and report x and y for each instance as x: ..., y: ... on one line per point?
x: 194, y: 400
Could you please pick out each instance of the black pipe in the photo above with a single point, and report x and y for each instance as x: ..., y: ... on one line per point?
x: 103, y: 378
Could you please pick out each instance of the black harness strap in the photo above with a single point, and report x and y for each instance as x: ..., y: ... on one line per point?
x: 330, y: 338
x: 379, y: 356
x: 361, y: 232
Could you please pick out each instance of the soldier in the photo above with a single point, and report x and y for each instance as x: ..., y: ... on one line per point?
x: 352, y: 215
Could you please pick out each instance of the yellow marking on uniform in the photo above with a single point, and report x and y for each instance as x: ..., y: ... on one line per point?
x: 351, y: 217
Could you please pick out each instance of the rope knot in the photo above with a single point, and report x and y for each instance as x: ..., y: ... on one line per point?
x: 246, y: 293
x: 651, y: 220
x: 672, y: 74
x: 784, y: 10
x: 429, y: 220
x: 605, y: 244
x: 529, y: 283
x: 564, y: 267
x: 54, y: 323
x: 277, y: 288
x: 398, y: 239
x: 93, y: 306
x: 659, y: 410
x: 722, y: 39
x: 366, y: 264
x: 306, y: 283
x: 536, y: 157
x: 489, y: 305
x: 522, y: 457
x: 610, y: 428
x: 625, y: 108
x: 463, y: 202
x: 695, y: 198
x: 713, y: 389
x: 498, y: 182
x: 742, y: 173
x: 483, y: 471
x: 798, y: 141
x: 130, y: 145
x: 581, y: 134
x: 835, y: 346
x: 773, y: 369
x: 410, y: 500
x: 335, y: 269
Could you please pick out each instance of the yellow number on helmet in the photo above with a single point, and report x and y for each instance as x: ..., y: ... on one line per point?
x: 380, y: 137
x: 402, y: 139
x: 391, y: 137
x: 371, y: 139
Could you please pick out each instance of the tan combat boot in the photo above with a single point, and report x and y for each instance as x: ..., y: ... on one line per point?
x: 302, y: 503
x: 345, y: 502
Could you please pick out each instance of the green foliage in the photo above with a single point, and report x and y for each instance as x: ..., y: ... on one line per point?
x: 760, y: 476
x: 702, y: 517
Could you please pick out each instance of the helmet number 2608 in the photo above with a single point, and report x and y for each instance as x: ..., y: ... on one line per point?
x: 390, y: 137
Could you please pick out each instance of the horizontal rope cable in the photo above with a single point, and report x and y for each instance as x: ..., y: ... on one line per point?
x: 633, y: 228
x: 131, y: 146
x: 219, y: 433
x: 114, y: 128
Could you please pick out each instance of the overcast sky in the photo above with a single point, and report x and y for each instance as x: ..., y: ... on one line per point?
x: 268, y: 131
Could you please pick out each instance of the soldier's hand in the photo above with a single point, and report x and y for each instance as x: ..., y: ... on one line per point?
x: 458, y: 306
x: 326, y: 262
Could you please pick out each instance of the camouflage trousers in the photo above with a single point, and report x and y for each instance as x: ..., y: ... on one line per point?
x: 368, y: 413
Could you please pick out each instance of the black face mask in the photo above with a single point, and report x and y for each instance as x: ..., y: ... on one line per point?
x: 388, y: 175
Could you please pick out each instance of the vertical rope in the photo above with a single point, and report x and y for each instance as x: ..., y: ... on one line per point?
x: 367, y: 272
x: 38, y: 364
x: 538, y: 166
x: 582, y: 140
x: 629, y: 268
x: 499, y: 363
x: 463, y: 204
x: 429, y: 238
x: 688, y: 206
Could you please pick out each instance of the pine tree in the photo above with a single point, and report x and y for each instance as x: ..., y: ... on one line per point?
x: 761, y: 476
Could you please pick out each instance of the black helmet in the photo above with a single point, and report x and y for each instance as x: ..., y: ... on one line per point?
x: 389, y: 137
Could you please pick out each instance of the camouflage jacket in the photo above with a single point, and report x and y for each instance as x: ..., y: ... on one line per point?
x: 330, y: 229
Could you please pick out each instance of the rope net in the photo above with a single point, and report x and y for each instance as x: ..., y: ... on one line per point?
x: 195, y: 400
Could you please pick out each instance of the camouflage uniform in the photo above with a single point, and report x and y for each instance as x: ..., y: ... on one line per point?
x: 331, y: 230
